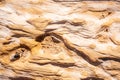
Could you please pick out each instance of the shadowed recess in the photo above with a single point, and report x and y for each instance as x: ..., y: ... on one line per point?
x: 21, y: 78
x: 92, y: 78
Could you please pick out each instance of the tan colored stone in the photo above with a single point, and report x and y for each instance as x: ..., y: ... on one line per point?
x: 78, y: 21
x: 92, y: 46
x: 39, y: 23
x: 102, y: 38
x: 28, y: 42
x: 49, y: 40
x: 115, y: 39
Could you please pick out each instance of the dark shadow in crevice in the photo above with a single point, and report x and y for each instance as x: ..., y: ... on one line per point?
x: 19, y: 52
x: 21, y: 78
x: 24, y: 46
x: 83, y: 55
x: 110, y: 58
x: 59, y: 22
x: 40, y: 38
x: 2, y: 0
x: 6, y: 43
x: 21, y: 46
x: 63, y: 65
x: 92, y: 78
x: 15, y: 57
x: 20, y: 35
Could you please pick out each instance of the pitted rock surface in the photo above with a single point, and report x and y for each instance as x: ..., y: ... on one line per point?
x: 59, y: 40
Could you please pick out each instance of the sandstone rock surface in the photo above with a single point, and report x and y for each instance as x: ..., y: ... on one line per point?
x: 56, y: 40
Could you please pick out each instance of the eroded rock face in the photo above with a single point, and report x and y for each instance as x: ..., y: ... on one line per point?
x: 51, y: 40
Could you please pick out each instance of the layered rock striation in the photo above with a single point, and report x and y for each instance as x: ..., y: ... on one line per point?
x: 59, y: 40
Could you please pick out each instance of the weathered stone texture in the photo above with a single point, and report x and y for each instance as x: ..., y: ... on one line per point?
x: 49, y: 40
